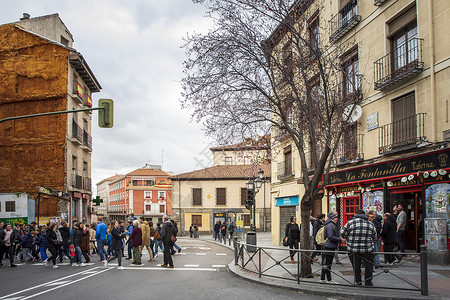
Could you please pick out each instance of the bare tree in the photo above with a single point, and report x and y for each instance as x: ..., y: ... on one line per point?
x: 265, y: 65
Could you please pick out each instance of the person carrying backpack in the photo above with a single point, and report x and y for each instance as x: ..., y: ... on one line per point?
x: 332, y: 240
x: 318, y: 223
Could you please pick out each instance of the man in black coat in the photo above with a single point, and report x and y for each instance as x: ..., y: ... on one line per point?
x: 167, y: 231
x: 388, y: 234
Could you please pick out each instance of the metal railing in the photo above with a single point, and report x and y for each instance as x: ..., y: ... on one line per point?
x: 346, y: 19
x: 272, y: 261
x: 87, y: 140
x: 350, y: 150
x: 87, y: 184
x: 285, y: 169
x: 77, y: 181
x: 401, y: 135
x: 77, y: 132
x: 402, y: 62
x: 378, y: 2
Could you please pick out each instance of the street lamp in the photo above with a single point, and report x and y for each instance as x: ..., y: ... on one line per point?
x: 253, y: 187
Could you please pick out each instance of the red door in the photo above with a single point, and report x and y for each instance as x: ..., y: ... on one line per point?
x: 351, y: 205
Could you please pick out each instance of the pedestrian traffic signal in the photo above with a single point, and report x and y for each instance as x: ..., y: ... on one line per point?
x: 106, y: 114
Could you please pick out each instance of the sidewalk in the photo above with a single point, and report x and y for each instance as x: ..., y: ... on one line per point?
x: 274, y: 263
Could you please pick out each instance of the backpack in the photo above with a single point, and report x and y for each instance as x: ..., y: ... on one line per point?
x: 157, y: 236
x: 320, y: 237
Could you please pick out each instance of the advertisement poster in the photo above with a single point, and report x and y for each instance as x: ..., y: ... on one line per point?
x: 438, y: 200
x: 373, y: 201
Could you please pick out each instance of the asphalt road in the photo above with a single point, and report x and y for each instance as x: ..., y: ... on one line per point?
x: 200, y: 273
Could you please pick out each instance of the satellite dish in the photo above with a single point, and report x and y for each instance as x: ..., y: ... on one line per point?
x: 317, y: 93
x: 352, y: 113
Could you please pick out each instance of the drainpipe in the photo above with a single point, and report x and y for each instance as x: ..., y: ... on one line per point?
x: 434, y: 137
x: 179, y: 207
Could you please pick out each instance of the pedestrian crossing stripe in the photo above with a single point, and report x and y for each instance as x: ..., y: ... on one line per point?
x: 192, y: 266
x: 221, y: 254
x: 200, y: 253
x: 59, y: 282
x: 172, y: 269
x: 218, y: 266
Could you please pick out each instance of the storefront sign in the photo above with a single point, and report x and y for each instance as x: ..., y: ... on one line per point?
x: 76, y: 195
x: 429, y: 161
x: 286, y: 201
x: 50, y: 192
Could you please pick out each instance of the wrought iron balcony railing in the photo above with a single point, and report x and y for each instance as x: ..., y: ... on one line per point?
x: 401, y: 135
x: 87, y: 184
x: 378, y: 2
x: 77, y: 181
x: 77, y: 133
x: 87, y: 140
x: 402, y: 62
x: 285, y: 169
x: 350, y: 151
x: 346, y: 19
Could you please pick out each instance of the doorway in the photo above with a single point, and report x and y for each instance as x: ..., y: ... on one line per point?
x: 411, y: 202
x: 350, y: 206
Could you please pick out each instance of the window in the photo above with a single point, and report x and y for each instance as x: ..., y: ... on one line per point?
x: 404, y: 42
x: 75, y: 208
x: 288, y: 160
x: 10, y: 206
x: 350, y: 67
x: 148, y: 195
x: 228, y: 161
x: 197, y: 196
x: 287, y: 64
x: 64, y: 41
x: 243, y: 196
x: 74, y: 171
x: 403, y: 119
x: 162, y: 195
x: 246, y: 220
x: 349, y: 8
x: 221, y: 196
x: 314, y: 33
x: 196, y: 220
x: 162, y: 208
x: 75, y: 83
x: 147, y: 206
x: 247, y: 160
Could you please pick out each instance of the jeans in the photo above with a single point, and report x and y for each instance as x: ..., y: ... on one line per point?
x: 78, y: 254
x: 356, y: 260
x: 130, y: 255
x: 101, y: 249
x: 376, y: 258
x: 160, y: 245
x: 399, y: 238
x: 43, y: 250
x: 27, y: 254
x: 389, y: 258
x: 62, y: 252
x: 327, y: 261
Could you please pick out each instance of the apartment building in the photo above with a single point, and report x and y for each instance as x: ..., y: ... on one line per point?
x: 397, y: 149
x: 42, y: 72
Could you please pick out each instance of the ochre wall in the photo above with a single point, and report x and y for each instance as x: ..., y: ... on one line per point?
x: 33, y: 75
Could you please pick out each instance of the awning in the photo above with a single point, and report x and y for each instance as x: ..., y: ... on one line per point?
x: 286, y: 201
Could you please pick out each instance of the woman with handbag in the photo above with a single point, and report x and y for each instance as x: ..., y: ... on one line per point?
x: 54, y: 243
x: 116, y: 243
x: 292, y: 236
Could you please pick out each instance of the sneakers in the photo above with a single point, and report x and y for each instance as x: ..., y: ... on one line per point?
x: 179, y: 250
x: 75, y: 265
x: 322, y: 281
x: 46, y: 263
x: 55, y: 267
x: 120, y: 268
x: 13, y: 265
x: 82, y: 265
x: 332, y: 282
x: 106, y: 263
x: 156, y: 256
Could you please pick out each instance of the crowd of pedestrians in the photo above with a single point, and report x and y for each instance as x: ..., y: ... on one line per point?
x: 54, y: 242
x: 361, y: 237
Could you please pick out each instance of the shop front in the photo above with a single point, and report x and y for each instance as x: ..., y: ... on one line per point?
x: 420, y: 183
x: 288, y: 207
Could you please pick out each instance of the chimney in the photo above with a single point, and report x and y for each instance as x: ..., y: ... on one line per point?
x: 26, y: 16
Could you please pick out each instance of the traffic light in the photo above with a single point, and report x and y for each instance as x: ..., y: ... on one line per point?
x: 106, y: 115
x: 250, y: 196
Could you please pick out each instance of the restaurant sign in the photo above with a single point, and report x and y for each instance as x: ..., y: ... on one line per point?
x: 409, y: 165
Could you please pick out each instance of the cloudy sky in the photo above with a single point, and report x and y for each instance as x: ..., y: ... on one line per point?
x: 133, y: 48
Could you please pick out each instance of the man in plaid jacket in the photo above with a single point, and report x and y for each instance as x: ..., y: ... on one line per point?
x: 360, y: 234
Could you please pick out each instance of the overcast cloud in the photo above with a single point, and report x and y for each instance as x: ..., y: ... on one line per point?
x: 133, y: 48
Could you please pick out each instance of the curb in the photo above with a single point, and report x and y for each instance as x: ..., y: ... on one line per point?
x: 327, y: 291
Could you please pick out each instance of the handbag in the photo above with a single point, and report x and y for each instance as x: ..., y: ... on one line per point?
x: 173, y: 239
x: 286, y: 239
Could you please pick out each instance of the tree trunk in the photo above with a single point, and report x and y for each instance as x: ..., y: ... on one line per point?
x: 305, y: 212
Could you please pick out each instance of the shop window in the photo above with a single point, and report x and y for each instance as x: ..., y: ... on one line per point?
x: 221, y: 196
x: 351, y: 205
x: 196, y: 220
x: 197, y: 196
x: 246, y: 220
x: 10, y: 206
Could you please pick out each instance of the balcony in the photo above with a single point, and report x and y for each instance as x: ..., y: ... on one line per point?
x: 403, y: 62
x: 87, y: 184
x: 77, y: 181
x: 402, y: 135
x: 77, y: 133
x: 345, y: 20
x: 87, y: 141
x: 378, y: 2
x: 285, y: 169
x: 350, y: 150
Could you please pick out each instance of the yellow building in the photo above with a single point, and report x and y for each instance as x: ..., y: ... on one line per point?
x: 396, y: 151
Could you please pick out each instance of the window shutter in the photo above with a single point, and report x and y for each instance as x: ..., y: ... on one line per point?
x: 402, y: 21
x: 221, y: 199
x: 243, y: 196
x: 197, y: 196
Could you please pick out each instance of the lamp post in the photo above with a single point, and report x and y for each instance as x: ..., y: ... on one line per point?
x: 253, y: 187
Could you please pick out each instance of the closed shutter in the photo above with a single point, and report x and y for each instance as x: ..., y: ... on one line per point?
x: 197, y: 196
x: 221, y: 196
x: 404, y: 129
x: 243, y: 196
x: 402, y: 21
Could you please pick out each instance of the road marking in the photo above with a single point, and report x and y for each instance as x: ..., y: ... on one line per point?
x: 218, y: 266
x: 174, y: 269
x: 192, y: 266
x: 181, y: 253
x: 200, y: 253
x: 14, y: 298
x: 59, y: 282
x: 221, y: 254
x: 204, y: 248
x: 47, y: 283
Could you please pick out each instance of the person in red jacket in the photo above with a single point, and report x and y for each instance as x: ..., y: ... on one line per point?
x: 136, y: 241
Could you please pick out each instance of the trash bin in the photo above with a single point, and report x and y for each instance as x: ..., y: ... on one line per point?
x: 251, y: 240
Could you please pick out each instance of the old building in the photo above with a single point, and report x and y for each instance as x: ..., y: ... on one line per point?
x: 145, y: 192
x: 42, y: 72
x: 397, y: 149
x: 103, y: 186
